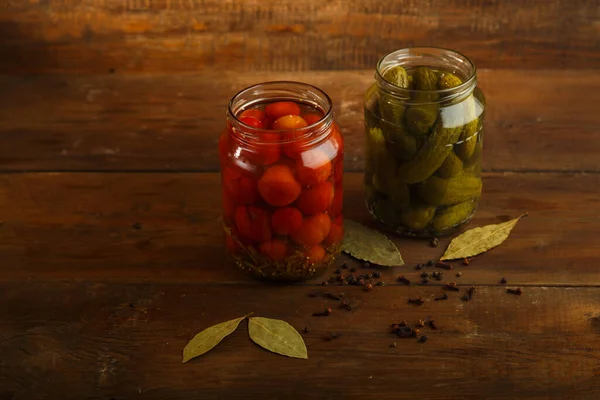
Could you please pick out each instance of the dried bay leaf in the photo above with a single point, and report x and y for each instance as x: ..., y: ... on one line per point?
x: 369, y: 245
x: 277, y: 336
x: 479, y: 240
x: 209, y: 338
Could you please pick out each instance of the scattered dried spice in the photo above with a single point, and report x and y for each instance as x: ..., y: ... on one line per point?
x: 430, y: 263
x: 503, y: 281
x: 434, y: 242
x: 441, y: 264
x: 306, y: 329
x: 324, y: 283
x: 380, y: 283
x: 403, y: 279
x: 418, y: 301
x: 393, y: 345
x: 420, y: 323
x: 334, y: 296
x: 425, y: 281
x: 403, y: 331
x: 423, y: 339
x: 466, y: 261
x: 368, y: 287
x: 458, y: 274
x: 442, y: 297
x: 451, y: 286
x: 432, y: 324
x: 324, y: 313
x: 479, y: 240
x: 517, y: 291
x: 332, y: 336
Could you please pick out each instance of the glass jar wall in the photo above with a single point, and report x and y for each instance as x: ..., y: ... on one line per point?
x: 423, y: 117
x: 281, y: 159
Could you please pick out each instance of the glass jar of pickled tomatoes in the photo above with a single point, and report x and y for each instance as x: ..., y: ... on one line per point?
x: 281, y: 157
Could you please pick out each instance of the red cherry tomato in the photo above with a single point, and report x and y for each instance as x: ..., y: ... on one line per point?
x: 313, y: 167
x: 336, y: 233
x: 278, y: 186
x: 312, y: 118
x: 253, y: 113
x: 315, y: 254
x: 253, y: 223
x: 275, y: 249
x: 317, y: 199
x: 251, y: 121
x: 281, y: 108
x: 286, y: 220
x: 288, y: 122
x: 313, y: 230
x: 240, y: 185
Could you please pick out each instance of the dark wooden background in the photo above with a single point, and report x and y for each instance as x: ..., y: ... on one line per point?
x: 109, y: 116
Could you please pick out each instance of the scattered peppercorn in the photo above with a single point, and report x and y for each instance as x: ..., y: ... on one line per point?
x: 517, y: 291
x: 424, y: 275
x: 466, y: 261
x: 361, y: 282
x: 403, y: 279
x: 418, y: 301
x: 430, y: 263
x: 425, y: 281
x: 376, y: 274
x: 366, y: 264
x: 380, y: 283
x: 451, y: 286
x: 420, y: 323
x: 441, y: 264
x: 503, y: 281
x: 403, y: 323
x: 369, y: 287
x: 325, y: 313
x: 443, y: 297
x: 306, y: 329
x: 423, y: 339
x: 434, y: 242
x: 418, y: 266
x: 324, y: 283
x: 458, y: 274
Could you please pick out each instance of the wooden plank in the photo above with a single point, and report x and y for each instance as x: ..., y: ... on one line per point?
x: 545, y: 120
x: 123, y: 340
x: 95, y: 36
x: 58, y: 226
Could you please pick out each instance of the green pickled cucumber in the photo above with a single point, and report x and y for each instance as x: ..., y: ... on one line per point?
x: 448, y: 81
x: 420, y: 118
x: 402, y: 145
x: 431, y: 155
x: 425, y: 79
x: 374, y: 145
x: 392, y: 108
x: 451, y: 166
x: 468, y: 137
x: 417, y: 217
x: 445, y: 192
x: 397, y: 76
x: 453, y: 215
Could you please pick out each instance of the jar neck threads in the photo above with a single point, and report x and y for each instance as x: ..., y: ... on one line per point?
x: 431, y: 57
x: 280, y: 91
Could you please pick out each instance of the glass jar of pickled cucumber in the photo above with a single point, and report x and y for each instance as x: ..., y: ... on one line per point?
x: 281, y: 157
x: 423, y: 119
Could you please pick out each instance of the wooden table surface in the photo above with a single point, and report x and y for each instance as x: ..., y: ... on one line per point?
x: 111, y: 248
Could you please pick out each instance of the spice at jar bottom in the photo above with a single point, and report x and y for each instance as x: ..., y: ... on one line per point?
x: 282, y: 165
x: 424, y: 118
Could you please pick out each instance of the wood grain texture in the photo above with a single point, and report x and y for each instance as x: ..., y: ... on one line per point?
x: 95, y: 36
x: 81, y: 226
x: 122, y: 341
x: 536, y: 120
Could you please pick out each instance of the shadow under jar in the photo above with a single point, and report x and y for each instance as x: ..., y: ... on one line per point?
x: 281, y: 157
x: 423, y: 118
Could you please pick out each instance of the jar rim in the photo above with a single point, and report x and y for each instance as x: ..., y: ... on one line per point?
x: 400, y: 57
x: 299, y: 134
